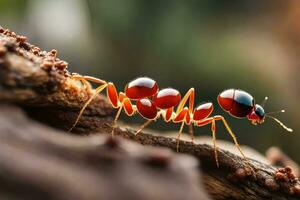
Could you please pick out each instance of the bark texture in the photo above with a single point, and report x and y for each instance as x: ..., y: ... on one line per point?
x: 38, y: 161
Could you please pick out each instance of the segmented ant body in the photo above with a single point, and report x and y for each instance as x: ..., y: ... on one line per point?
x: 152, y: 103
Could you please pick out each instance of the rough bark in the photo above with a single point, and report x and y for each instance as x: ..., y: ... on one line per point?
x: 38, y: 162
x: 39, y: 83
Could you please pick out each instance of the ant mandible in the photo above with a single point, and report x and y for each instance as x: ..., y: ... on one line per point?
x: 152, y: 103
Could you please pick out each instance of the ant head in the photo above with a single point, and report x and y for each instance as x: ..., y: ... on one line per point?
x: 257, y: 116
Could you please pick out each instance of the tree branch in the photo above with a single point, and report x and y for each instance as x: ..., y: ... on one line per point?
x: 38, y: 82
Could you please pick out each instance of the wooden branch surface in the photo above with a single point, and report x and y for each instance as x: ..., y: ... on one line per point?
x: 37, y: 162
x: 39, y: 83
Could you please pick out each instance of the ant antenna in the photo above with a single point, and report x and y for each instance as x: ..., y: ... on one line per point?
x: 280, y: 123
x: 275, y: 112
x: 263, y: 103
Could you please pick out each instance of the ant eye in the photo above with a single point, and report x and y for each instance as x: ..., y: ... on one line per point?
x: 259, y: 111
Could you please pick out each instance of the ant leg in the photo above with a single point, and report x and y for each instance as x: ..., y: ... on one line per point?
x: 183, y: 114
x: 183, y: 117
x: 167, y: 114
x: 191, y: 132
x: 87, y: 78
x: 213, y: 130
x: 128, y: 107
x: 178, y: 137
x: 84, y: 80
x: 115, y: 120
x: 148, y: 122
x: 86, y: 84
x: 263, y: 103
x: 112, y: 94
x: 143, y: 126
x: 218, y: 117
x: 117, y: 102
x: 122, y: 102
x: 189, y: 95
x: 97, y: 91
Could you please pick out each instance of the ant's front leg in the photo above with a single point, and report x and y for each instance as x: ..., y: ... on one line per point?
x: 99, y: 89
x: 217, y: 118
x: 88, y: 78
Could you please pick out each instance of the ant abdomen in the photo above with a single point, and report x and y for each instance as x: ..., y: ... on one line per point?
x: 203, y: 111
x: 141, y: 88
x: 146, y: 108
x: 167, y: 98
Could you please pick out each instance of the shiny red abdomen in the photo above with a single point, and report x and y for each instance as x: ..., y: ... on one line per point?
x: 167, y: 98
x: 146, y: 108
x: 203, y: 111
x: 141, y: 88
x: 236, y: 102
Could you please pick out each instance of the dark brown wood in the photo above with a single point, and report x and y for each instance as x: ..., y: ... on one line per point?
x: 39, y: 83
x: 37, y: 162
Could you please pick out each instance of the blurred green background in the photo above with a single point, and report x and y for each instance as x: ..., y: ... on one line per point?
x: 211, y: 45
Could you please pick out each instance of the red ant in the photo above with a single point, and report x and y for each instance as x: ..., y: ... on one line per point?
x: 151, y: 103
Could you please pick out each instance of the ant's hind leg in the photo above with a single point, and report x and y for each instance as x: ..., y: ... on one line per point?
x: 86, y: 85
x: 88, y: 78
